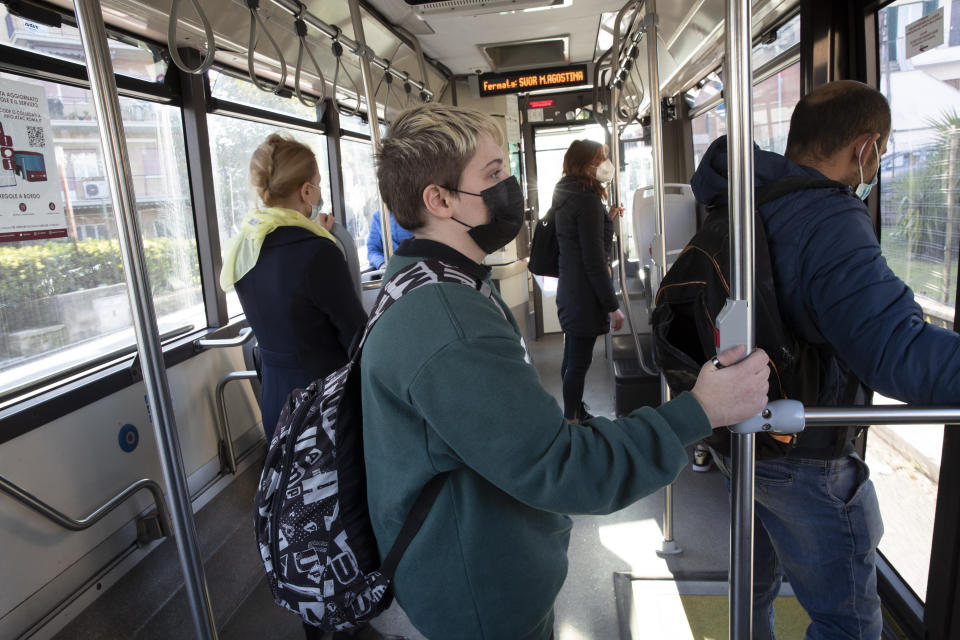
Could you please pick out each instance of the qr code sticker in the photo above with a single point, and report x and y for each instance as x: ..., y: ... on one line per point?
x: 35, y: 137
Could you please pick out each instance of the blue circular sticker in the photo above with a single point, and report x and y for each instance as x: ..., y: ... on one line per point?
x: 129, y: 437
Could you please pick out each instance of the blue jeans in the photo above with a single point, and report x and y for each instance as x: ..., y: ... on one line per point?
x: 818, y: 523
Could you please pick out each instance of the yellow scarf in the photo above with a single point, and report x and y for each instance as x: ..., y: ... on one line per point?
x: 243, y: 249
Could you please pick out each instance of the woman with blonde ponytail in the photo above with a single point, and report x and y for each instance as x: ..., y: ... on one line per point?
x: 291, y: 276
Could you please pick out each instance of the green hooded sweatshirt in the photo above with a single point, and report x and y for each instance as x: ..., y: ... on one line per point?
x: 448, y: 386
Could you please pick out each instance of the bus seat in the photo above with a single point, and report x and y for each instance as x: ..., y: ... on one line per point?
x: 680, y: 224
x: 349, y: 247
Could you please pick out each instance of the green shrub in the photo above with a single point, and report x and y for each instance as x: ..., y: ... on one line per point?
x: 32, y: 272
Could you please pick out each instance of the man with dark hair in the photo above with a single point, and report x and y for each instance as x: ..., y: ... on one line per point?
x: 817, y: 517
x: 826, y: 120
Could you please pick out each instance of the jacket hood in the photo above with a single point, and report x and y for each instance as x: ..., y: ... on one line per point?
x: 710, y: 179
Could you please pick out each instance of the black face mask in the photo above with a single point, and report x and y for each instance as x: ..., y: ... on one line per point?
x: 504, y: 201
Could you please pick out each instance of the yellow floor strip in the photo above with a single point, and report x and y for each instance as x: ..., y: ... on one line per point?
x: 698, y: 610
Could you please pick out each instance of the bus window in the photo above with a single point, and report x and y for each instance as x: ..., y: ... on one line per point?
x: 232, y: 142
x: 130, y: 57
x: 637, y: 173
x: 360, y: 191
x: 920, y: 236
x: 64, y: 301
x: 232, y: 88
x: 773, y: 103
x: 707, y: 127
x: 774, y: 97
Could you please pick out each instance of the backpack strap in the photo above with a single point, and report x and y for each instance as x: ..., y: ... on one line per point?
x: 415, y: 519
x: 779, y: 188
x: 412, y: 277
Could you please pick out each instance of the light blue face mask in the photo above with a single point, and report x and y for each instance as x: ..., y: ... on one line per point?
x: 315, y: 210
x: 863, y: 189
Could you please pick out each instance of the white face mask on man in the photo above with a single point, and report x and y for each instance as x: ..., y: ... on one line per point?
x: 863, y: 189
x: 605, y: 171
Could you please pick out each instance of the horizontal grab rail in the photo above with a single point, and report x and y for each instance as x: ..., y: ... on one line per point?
x: 790, y: 416
x: 65, y: 521
x: 896, y: 414
x: 245, y: 334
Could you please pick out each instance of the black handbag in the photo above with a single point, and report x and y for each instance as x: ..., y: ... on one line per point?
x: 544, y: 248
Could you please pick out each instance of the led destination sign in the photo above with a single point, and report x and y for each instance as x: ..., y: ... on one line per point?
x: 494, y: 84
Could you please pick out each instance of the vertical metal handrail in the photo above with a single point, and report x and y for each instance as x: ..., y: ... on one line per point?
x: 615, y: 197
x: 737, y: 93
x: 107, y: 107
x: 30, y: 501
x: 669, y: 545
x: 373, y: 119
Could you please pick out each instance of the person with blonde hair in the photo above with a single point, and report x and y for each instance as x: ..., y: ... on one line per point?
x: 448, y: 387
x: 291, y: 276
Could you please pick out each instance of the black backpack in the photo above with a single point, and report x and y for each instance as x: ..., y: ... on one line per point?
x: 694, y: 291
x: 544, y: 248
x: 311, y: 517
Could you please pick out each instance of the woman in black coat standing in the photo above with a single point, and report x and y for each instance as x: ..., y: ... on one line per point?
x: 291, y: 276
x: 586, y: 303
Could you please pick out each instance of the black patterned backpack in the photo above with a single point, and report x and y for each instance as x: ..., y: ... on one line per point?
x: 311, y: 517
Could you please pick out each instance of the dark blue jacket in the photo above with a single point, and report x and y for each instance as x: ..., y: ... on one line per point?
x: 300, y: 302
x: 585, y: 296
x: 834, y: 287
x: 375, y: 239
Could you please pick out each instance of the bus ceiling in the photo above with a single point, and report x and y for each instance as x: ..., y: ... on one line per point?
x: 461, y: 38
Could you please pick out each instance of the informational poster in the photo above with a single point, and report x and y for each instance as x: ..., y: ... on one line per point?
x: 924, y: 34
x: 31, y: 205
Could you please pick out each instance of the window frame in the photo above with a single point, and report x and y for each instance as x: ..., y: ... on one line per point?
x: 41, y: 400
x: 783, y: 61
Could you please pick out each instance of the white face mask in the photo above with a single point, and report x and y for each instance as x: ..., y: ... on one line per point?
x: 315, y: 209
x: 605, y: 171
x: 863, y: 189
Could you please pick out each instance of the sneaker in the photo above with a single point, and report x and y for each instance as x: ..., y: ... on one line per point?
x: 702, y: 460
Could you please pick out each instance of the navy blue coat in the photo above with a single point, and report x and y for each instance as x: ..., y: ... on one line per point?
x: 834, y: 287
x: 585, y: 296
x: 301, y: 303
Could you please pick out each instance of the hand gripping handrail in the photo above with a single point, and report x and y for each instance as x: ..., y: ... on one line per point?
x: 32, y: 502
x: 255, y: 19
x: 207, y: 61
